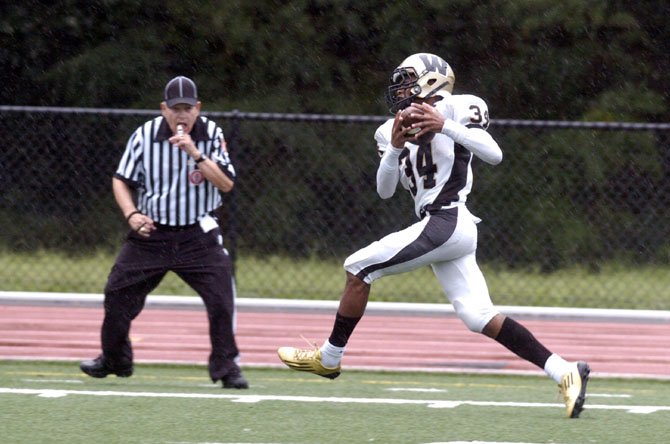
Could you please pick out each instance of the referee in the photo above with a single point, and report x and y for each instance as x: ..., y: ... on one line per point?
x: 167, y: 185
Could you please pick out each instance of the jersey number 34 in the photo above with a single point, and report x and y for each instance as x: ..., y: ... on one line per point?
x: 425, y: 168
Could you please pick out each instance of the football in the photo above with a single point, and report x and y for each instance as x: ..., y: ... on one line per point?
x: 408, y: 119
x: 411, y: 115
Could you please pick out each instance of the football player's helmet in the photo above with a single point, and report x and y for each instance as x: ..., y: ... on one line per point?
x: 421, y: 76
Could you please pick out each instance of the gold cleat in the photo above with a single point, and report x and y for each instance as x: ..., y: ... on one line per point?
x: 573, y: 388
x: 307, y: 360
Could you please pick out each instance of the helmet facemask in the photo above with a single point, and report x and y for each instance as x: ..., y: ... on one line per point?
x: 402, y: 90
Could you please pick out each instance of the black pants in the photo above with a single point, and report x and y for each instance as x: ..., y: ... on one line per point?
x: 196, y: 257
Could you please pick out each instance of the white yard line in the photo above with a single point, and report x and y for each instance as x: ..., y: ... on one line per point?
x: 417, y: 390
x: 65, y: 381
x: 606, y: 395
x: 479, y: 442
x: 430, y: 403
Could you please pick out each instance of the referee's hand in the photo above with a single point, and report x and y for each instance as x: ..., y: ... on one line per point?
x: 141, y: 224
x: 185, y: 143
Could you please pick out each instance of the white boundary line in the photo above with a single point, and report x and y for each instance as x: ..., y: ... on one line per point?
x: 380, y: 308
x: 252, y: 399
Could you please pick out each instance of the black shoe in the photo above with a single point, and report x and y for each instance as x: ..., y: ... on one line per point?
x: 235, y: 380
x: 99, y: 368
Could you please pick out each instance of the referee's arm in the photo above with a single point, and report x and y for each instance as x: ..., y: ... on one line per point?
x: 138, y: 222
x: 208, y: 167
x: 214, y: 174
x: 123, y: 196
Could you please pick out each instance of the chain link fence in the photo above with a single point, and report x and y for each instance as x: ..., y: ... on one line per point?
x: 576, y: 215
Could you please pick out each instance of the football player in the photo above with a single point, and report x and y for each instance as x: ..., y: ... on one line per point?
x: 434, y: 165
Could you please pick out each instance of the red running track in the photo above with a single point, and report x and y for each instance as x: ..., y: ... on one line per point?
x: 383, y: 342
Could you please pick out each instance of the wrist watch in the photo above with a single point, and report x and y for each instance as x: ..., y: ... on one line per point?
x: 202, y: 158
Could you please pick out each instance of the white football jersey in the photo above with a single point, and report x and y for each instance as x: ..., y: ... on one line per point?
x: 438, y: 174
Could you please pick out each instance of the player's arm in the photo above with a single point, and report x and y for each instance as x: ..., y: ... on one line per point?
x: 388, y: 171
x: 466, y: 124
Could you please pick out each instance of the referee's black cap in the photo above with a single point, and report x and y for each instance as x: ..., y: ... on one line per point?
x: 181, y: 90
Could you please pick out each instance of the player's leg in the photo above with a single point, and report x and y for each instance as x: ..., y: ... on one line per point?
x: 136, y: 272
x: 466, y: 289
x: 350, y: 311
x: 325, y: 361
x: 572, y: 377
x: 465, y: 286
x: 399, y: 252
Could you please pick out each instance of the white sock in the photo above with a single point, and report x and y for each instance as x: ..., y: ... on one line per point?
x: 556, y: 367
x: 331, y: 355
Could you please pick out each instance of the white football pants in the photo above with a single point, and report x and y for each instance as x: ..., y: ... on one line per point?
x: 447, y: 241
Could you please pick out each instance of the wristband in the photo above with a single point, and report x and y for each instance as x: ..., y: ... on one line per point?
x: 132, y: 213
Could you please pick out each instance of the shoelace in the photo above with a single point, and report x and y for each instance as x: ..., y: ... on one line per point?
x: 311, y: 344
x: 306, y: 353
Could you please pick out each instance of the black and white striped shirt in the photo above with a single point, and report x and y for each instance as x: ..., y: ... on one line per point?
x: 170, y: 187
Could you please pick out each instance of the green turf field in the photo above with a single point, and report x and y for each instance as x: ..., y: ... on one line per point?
x: 54, y: 403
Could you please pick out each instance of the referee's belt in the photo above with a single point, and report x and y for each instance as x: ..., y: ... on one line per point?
x: 163, y: 227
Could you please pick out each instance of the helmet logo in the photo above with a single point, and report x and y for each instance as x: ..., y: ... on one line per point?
x: 435, y: 64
